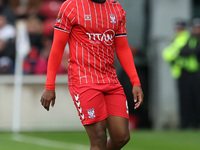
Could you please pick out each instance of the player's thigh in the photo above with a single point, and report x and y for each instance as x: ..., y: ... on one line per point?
x: 97, y: 132
x: 118, y: 115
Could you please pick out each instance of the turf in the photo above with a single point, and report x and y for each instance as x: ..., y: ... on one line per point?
x: 140, y: 140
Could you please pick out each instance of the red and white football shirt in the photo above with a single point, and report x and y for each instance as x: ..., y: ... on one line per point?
x: 93, y: 27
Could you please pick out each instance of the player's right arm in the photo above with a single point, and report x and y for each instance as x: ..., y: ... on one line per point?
x: 63, y: 26
x: 55, y: 57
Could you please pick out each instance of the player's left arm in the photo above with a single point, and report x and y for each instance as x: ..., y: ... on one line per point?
x: 125, y: 58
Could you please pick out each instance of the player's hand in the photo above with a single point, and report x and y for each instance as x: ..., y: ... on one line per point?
x: 48, y: 98
x: 138, y: 95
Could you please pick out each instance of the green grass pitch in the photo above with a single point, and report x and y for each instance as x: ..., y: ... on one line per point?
x: 140, y: 140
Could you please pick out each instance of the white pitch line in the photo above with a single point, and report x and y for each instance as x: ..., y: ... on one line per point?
x: 49, y: 143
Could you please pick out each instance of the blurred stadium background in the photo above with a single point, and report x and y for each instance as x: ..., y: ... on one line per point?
x: 150, y: 28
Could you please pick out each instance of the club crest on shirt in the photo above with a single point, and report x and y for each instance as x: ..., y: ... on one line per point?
x: 113, y: 19
x: 87, y: 17
x: 91, y: 113
x: 59, y: 20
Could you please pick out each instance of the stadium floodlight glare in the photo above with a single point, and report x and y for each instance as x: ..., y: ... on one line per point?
x: 22, y: 49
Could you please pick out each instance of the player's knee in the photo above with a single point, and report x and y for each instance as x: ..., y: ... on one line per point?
x: 100, y: 139
x: 121, y: 140
x: 101, y: 136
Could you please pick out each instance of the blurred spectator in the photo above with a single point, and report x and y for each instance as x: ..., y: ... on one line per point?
x: 48, y: 25
x: 189, y: 81
x: 184, y: 55
x: 34, y: 28
x: 7, y: 46
x: 33, y: 7
x: 41, y: 64
x: 171, y: 52
x: 30, y: 61
x: 40, y: 16
x: 24, y: 9
x: 18, y: 8
x: 49, y: 8
x: 7, y: 11
x: 41, y: 20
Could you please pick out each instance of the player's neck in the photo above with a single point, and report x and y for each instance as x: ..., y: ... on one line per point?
x: 98, y: 1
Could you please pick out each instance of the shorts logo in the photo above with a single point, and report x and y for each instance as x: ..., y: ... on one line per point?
x: 112, y: 17
x: 87, y: 17
x: 59, y: 20
x: 91, y: 113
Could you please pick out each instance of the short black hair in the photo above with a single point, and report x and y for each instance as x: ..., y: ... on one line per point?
x: 180, y: 23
